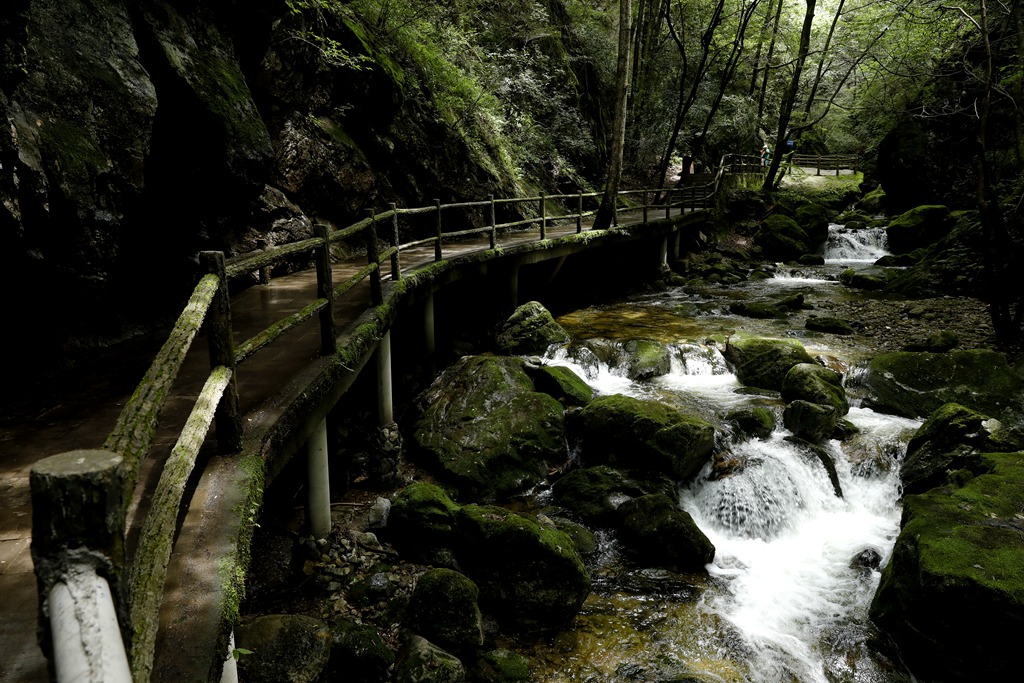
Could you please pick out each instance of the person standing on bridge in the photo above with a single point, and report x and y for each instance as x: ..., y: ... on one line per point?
x: 766, y: 154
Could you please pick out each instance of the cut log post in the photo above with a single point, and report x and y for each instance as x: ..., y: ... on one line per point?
x: 373, y: 257
x: 438, y: 230
x: 494, y: 225
x: 396, y: 266
x: 222, y: 354
x: 325, y: 290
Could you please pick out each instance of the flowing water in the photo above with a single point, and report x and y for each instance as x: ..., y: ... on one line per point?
x: 787, y: 595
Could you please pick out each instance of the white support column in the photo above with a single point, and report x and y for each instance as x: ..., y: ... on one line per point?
x: 663, y: 255
x: 318, y: 511
x: 385, y: 401
x: 229, y: 674
x: 87, y: 642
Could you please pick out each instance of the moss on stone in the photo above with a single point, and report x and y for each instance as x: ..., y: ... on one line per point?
x: 763, y: 362
x: 563, y: 384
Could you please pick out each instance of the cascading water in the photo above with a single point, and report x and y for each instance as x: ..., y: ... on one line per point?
x: 849, y: 247
x: 789, y: 588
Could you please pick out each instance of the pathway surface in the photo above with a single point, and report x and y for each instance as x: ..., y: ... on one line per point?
x: 81, y: 410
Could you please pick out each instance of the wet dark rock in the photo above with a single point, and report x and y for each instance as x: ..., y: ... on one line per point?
x: 659, y: 534
x: 816, y: 384
x: 420, y: 661
x: 828, y: 324
x: 443, y: 609
x: 283, y: 647
x: 952, y: 594
x: 915, y: 384
x: 644, y: 359
x: 811, y: 260
x: 782, y: 239
x: 641, y: 434
x: 561, y: 383
x: 937, y: 342
x: 501, y: 666
x: 762, y: 362
x: 596, y: 493
x: 530, y: 329
x: 862, y: 649
x: 358, y: 653
x: 484, y: 427
x: 421, y: 524
x: 814, y: 219
x: 825, y: 458
x: 918, y: 227
x: 867, y: 560
x: 870, y: 278
x: 757, y: 309
x: 793, y: 302
x: 810, y: 421
x: 953, y: 266
x: 952, y: 438
x: 757, y: 421
x: 583, y: 538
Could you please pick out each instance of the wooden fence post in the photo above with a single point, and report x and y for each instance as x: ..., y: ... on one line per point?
x: 645, y: 206
x: 437, y: 245
x: 579, y: 213
x: 543, y: 217
x: 494, y: 225
x: 78, y: 524
x: 261, y: 244
x: 373, y: 256
x: 396, y: 266
x: 325, y: 290
x: 222, y: 352
x: 615, y: 211
x: 668, y: 203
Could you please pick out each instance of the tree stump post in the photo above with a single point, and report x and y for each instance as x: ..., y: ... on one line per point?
x: 494, y: 224
x: 373, y: 256
x: 579, y: 213
x: 325, y: 290
x: 222, y: 352
x: 437, y: 228
x: 396, y: 266
x: 543, y: 217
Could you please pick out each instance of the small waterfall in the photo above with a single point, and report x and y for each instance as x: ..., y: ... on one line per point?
x: 865, y: 245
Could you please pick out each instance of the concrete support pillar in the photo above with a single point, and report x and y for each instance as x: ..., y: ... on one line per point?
x: 318, y: 510
x: 229, y: 674
x: 663, y: 253
x: 87, y: 642
x: 429, y: 330
x: 385, y: 392
x: 513, y: 288
x: 677, y: 239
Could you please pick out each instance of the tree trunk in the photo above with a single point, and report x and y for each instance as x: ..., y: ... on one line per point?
x: 603, y: 219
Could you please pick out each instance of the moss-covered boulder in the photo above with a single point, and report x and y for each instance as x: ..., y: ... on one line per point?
x: 530, y: 576
x: 596, y: 493
x: 919, y: 227
x: 484, y: 428
x: 283, y: 647
x: 952, y: 594
x: 443, y: 609
x: 530, y: 330
x: 817, y: 384
x: 828, y: 325
x: 814, y: 219
x: 561, y: 383
x: 873, y: 202
x: 782, y: 239
x: 762, y: 362
x: 955, y: 265
x: 915, y: 384
x: 501, y: 666
x: 950, y: 440
x: 758, y: 421
x: 422, y: 524
x: 658, y: 534
x: 423, y: 662
x: 759, y: 310
x: 631, y: 433
x: 644, y: 359
x: 358, y: 653
x: 870, y: 278
x: 936, y: 342
x: 810, y: 421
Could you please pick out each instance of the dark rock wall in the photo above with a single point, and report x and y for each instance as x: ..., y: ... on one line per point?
x: 136, y: 134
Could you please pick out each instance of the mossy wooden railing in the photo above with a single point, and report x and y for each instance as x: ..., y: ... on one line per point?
x: 218, y: 401
x: 826, y: 162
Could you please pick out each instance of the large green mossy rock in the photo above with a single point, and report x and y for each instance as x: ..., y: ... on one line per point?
x: 530, y: 330
x: 763, y: 363
x: 562, y: 383
x: 596, y: 493
x: 644, y: 359
x: 810, y: 421
x: 951, y: 440
x: 870, y: 278
x: 485, y: 429
x: 443, y: 609
x: 955, y: 265
x: 915, y: 384
x: 283, y: 647
x: 501, y: 666
x: 658, y: 534
x: 952, y: 594
x: 782, y: 239
x: 817, y: 384
x: 814, y: 219
x: 756, y: 422
x: 530, y: 576
x: 637, y: 434
x: 421, y: 524
x: 919, y: 227
x: 873, y: 202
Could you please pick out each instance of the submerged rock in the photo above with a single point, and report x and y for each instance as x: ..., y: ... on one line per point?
x: 952, y: 595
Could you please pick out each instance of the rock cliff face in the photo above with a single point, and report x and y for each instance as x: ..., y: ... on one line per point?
x: 135, y: 134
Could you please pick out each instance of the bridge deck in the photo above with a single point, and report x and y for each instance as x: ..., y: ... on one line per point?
x: 83, y: 408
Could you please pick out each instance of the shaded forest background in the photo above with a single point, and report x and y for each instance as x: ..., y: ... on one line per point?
x: 138, y: 133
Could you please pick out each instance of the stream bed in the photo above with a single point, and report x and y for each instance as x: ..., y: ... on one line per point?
x: 786, y: 597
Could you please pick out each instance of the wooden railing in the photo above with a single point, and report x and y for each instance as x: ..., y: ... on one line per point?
x: 826, y: 162
x: 131, y: 439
